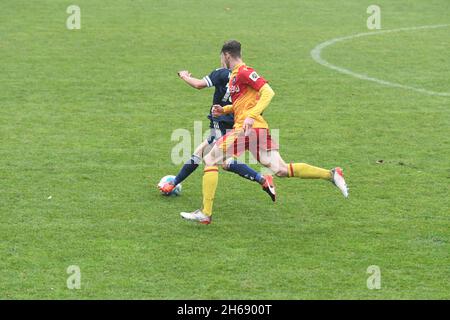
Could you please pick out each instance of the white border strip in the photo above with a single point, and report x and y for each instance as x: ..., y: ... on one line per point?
x: 316, y: 55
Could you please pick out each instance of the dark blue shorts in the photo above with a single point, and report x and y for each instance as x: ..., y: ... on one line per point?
x: 218, y: 129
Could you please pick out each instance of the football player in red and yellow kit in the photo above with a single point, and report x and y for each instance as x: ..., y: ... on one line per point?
x: 250, y: 94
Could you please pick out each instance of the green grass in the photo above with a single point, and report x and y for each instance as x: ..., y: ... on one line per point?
x: 86, y: 117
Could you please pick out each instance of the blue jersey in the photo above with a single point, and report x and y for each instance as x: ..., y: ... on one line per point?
x: 219, y: 79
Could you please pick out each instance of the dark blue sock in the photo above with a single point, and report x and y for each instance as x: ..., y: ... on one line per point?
x: 244, y: 171
x: 187, y: 169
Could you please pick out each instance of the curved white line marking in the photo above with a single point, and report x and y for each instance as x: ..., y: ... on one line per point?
x: 315, y: 54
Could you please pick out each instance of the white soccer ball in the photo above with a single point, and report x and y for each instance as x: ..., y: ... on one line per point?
x: 175, y: 192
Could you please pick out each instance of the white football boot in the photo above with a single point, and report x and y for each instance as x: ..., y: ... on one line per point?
x: 339, y: 181
x: 197, y: 216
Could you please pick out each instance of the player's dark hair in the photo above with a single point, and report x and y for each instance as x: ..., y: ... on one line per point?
x: 232, y: 47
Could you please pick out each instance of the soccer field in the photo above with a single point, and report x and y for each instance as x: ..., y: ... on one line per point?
x: 86, y: 118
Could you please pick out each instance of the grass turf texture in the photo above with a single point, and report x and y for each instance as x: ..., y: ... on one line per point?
x: 86, y: 117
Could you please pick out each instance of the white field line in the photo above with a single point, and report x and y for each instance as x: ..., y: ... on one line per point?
x: 316, y: 55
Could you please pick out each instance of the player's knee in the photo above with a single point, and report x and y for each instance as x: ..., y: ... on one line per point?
x: 282, y: 172
x: 208, y: 160
x: 226, y: 164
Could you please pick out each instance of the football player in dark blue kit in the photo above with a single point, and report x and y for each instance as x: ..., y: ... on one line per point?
x: 218, y: 79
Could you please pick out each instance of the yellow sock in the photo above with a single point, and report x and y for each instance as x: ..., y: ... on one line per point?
x: 306, y: 171
x: 210, y: 179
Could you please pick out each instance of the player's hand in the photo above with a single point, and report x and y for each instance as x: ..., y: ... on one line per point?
x: 248, y: 124
x: 217, y: 110
x: 183, y: 74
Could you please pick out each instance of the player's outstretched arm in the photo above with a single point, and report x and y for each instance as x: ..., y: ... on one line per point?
x: 193, y: 82
x: 265, y: 96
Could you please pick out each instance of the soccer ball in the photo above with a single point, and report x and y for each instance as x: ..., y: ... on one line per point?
x: 175, y: 192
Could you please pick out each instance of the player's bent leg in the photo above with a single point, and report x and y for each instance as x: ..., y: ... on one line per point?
x: 246, y: 172
x: 273, y: 161
x: 204, y: 147
x: 243, y: 170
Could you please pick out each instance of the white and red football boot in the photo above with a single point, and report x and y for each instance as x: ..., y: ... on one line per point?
x: 197, y: 216
x: 337, y: 177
